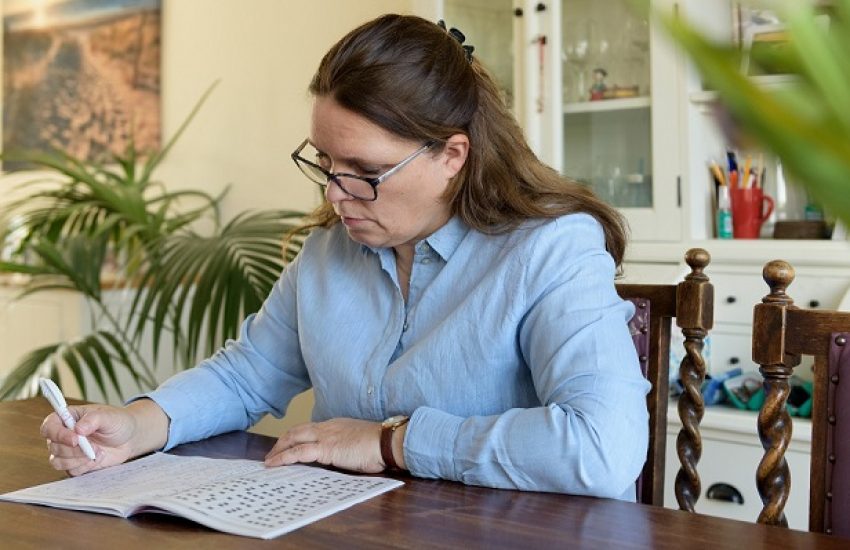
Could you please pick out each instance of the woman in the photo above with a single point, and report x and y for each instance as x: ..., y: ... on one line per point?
x: 453, y: 309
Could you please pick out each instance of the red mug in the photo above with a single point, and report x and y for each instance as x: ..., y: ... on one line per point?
x: 750, y: 208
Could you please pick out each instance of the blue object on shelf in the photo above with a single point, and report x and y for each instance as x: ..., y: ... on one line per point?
x: 712, y: 391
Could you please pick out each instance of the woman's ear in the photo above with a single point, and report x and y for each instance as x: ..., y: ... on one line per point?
x: 454, y: 154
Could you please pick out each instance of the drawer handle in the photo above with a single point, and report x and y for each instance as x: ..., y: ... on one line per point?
x: 734, y: 360
x: 731, y: 299
x: 814, y: 303
x: 725, y: 492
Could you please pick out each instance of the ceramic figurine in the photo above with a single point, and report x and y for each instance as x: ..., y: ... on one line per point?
x: 597, y: 90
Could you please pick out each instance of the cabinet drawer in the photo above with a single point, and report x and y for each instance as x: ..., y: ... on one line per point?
x: 735, y: 294
x: 731, y: 350
x: 735, y: 464
x: 735, y: 349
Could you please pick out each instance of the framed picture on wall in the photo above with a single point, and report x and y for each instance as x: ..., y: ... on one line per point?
x: 81, y: 76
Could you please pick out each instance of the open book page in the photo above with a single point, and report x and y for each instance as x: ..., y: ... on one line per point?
x: 122, y: 490
x: 236, y: 496
x: 273, y: 501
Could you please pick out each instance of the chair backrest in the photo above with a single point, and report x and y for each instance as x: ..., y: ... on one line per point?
x: 782, y: 333
x: 691, y: 302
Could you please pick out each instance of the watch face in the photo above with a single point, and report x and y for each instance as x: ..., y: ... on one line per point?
x: 394, y: 421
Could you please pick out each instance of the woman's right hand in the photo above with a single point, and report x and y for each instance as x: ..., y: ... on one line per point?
x: 116, y: 434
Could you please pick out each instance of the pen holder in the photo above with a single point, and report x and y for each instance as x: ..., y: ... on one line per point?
x: 750, y: 208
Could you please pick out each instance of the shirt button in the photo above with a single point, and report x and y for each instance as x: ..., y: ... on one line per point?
x: 426, y: 261
x: 370, y: 390
x: 405, y: 327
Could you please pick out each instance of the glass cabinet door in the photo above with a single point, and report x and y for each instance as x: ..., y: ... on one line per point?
x: 606, y: 93
x: 489, y: 26
x: 597, y: 91
x: 621, y: 95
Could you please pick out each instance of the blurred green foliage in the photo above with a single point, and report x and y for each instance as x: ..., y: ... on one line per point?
x: 806, y: 120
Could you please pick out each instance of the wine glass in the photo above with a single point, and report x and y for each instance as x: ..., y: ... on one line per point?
x: 633, y: 50
x: 577, y: 52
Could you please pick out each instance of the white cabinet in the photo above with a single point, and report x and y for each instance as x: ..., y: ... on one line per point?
x: 624, y: 142
x: 627, y: 149
x: 731, y: 452
x: 738, y: 287
x: 646, y: 154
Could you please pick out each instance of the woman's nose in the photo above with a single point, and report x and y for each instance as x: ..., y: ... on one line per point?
x: 334, y: 193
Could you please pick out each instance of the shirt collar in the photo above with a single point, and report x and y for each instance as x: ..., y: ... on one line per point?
x: 446, y: 239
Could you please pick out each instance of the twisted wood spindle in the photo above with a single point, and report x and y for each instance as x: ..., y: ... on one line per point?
x: 773, y: 478
x: 774, y: 427
x: 695, y: 322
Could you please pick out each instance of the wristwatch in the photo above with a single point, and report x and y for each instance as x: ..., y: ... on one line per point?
x: 388, y: 428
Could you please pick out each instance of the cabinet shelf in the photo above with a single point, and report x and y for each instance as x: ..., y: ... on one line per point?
x: 605, y: 105
x: 748, y: 252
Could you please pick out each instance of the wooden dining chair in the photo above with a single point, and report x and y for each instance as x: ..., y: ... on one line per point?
x: 782, y: 333
x: 691, y: 303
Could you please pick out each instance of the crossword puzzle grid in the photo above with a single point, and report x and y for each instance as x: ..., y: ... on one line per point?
x: 273, y: 503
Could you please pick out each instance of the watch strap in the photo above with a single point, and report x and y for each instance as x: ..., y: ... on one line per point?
x: 387, y: 432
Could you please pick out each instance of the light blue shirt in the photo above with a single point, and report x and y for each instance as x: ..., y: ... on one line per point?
x: 512, y: 356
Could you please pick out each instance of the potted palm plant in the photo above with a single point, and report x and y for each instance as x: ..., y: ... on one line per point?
x: 96, y: 226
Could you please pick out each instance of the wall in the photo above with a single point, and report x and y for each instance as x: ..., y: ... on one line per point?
x: 264, y: 52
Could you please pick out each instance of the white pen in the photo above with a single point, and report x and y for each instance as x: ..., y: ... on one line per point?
x: 52, y: 393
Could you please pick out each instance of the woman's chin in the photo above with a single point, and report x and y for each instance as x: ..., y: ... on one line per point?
x: 363, y: 236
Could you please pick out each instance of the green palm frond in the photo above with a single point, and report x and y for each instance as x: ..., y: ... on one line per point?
x: 25, y: 269
x: 91, y: 205
x: 78, y: 260
x: 31, y: 366
x: 100, y: 354
x: 210, y: 284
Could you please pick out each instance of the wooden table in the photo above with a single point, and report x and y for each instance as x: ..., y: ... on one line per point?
x: 422, y: 514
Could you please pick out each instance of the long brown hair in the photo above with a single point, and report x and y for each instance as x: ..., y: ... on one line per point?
x: 412, y: 78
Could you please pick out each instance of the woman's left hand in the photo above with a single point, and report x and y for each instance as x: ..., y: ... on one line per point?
x: 341, y: 442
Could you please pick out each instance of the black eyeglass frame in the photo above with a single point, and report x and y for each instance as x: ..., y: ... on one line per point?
x: 334, y: 176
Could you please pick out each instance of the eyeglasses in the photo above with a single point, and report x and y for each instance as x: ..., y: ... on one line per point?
x: 360, y: 187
